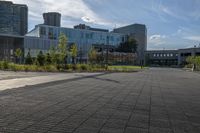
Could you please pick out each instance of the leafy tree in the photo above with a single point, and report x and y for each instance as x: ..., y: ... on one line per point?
x: 92, y: 55
x: 74, y: 52
x: 62, y: 48
x: 18, y: 54
x: 48, y: 59
x: 29, y: 59
x: 129, y: 46
x: 41, y: 59
x: 53, y: 55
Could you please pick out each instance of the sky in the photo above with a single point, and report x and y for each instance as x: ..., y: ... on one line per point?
x: 171, y: 24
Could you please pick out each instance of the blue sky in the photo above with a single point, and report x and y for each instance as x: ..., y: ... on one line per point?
x: 171, y: 24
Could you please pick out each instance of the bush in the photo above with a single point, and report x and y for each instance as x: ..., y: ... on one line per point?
x: 84, y: 67
x: 74, y: 67
x: 68, y: 66
x: 5, y: 65
x: 50, y: 68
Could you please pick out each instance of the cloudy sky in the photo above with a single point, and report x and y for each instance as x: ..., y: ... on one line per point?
x: 171, y: 24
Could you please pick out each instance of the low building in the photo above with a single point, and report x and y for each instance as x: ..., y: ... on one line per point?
x: 170, y: 57
x: 162, y: 58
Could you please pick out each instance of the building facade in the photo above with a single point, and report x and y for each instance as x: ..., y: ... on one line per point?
x: 43, y: 37
x: 52, y: 19
x: 139, y: 33
x: 170, y: 57
x: 13, y: 18
x: 13, y: 27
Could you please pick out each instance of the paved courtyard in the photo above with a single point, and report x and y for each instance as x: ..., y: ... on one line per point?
x: 157, y: 100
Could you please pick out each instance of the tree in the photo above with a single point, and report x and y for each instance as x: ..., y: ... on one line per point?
x: 129, y: 46
x: 41, y: 59
x: 62, y: 48
x: 53, y: 55
x: 92, y: 55
x: 18, y: 54
x: 74, y: 52
x: 29, y: 59
x: 48, y: 59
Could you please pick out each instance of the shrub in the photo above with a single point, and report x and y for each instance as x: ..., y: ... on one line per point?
x: 5, y: 65
x: 74, y: 67
x: 84, y: 67
x: 68, y: 66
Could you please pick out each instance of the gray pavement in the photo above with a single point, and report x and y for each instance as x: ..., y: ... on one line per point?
x: 157, y: 100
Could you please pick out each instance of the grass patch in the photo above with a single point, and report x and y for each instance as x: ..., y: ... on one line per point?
x: 4, y: 65
x: 125, y: 68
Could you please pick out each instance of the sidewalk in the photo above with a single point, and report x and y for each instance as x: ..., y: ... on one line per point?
x: 21, y: 82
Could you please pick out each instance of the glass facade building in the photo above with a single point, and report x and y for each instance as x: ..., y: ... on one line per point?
x: 44, y: 36
x: 13, y: 18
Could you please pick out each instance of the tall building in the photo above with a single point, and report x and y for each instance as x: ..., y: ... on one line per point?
x: 52, y: 19
x: 13, y: 27
x: 139, y: 33
x: 13, y: 18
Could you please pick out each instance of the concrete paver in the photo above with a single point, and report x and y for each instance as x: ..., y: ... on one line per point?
x: 157, y: 100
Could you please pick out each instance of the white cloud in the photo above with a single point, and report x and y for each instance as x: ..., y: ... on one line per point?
x: 192, y: 38
x: 72, y: 9
x: 157, y: 40
x: 157, y: 37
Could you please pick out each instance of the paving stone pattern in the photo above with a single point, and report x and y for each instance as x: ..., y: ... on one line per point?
x: 157, y: 100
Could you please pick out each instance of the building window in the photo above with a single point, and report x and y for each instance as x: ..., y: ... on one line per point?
x: 50, y: 34
x: 42, y: 31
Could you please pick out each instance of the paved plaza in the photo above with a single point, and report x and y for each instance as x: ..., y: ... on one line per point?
x: 157, y: 100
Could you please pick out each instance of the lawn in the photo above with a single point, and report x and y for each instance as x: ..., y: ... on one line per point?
x: 124, y: 68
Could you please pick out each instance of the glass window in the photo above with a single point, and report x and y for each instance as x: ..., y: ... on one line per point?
x: 50, y: 34
x: 42, y: 31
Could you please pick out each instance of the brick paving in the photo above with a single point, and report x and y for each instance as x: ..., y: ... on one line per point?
x: 157, y: 100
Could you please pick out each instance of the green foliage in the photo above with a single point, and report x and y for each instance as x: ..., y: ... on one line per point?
x: 62, y: 48
x: 18, y: 54
x: 129, y: 46
x: 53, y: 55
x: 41, y: 59
x: 28, y: 59
x: 84, y: 67
x: 92, y: 55
x: 74, y: 52
x: 193, y: 61
x: 48, y: 59
x: 5, y: 65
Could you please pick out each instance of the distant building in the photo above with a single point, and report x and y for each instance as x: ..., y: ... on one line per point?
x: 13, y: 27
x: 52, y: 19
x: 170, y: 57
x: 13, y: 18
x: 162, y: 57
x: 139, y: 33
x: 85, y: 27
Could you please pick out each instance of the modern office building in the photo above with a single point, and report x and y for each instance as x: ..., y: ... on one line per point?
x: 13, y: 18
x: 139, y: 33
x: 52, y: 19
x: 13, y: 27
x: 43, y: 37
